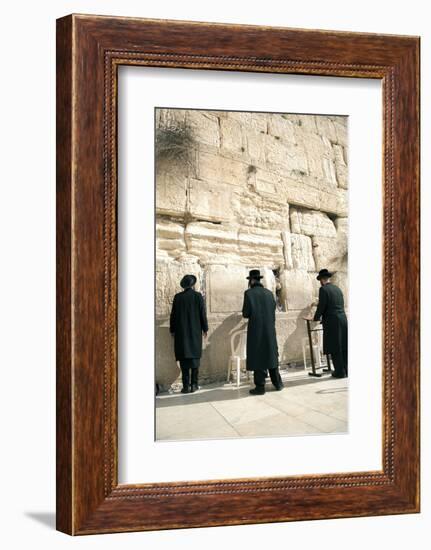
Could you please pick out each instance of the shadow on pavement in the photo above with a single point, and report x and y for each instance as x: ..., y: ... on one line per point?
x: 231, y: 393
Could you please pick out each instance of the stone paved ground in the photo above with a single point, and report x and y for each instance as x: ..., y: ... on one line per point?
x: 306, y: 406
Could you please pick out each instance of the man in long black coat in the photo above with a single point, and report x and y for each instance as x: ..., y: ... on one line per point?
x: 330, y: 310
x: 188, y: 322
x: 262, y: 350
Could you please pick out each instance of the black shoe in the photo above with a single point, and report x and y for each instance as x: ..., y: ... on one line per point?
x: 279, y: 387
x: 338, y: 375
x: 256, y: 391
x: 194, y: 388
x: 185, y: 390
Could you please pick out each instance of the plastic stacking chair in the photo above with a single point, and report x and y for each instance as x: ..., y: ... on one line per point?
x: 238, y: 346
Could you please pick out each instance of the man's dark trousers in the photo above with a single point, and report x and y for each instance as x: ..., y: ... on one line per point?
x: 260, y: 375
x: 188, y: 365
x: 340, y: 363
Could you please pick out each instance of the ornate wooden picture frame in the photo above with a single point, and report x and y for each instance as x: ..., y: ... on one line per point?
x: 89, y: 51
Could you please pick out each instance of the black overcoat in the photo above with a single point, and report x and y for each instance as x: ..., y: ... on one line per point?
x: 331, y: 311
x: 259, y: 309
x: 187, y: 323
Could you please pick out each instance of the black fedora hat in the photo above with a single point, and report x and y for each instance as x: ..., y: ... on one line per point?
x: 254, y: 274
x: 324, y: 274
x: 187, y: 281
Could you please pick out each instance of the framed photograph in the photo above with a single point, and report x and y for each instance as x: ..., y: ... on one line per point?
x: 237, y: 274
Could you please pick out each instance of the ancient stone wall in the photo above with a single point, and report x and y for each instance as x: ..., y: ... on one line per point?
x: 237, y: 191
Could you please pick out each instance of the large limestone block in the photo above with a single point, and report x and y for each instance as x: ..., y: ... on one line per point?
x: 298, y: 193
x: 255, y: 141
x: 168, y: 229
x: 265, y: 212
x: 169, y: 273
x: 173, y: 247
x: 314, y: 149
x: 329, y: 173
x: 171, y: 198
x: 330, y: 252
x: 287, y: 249
x: 341, y: 167
x: 170, y: 238
x: 301, y: 251
x: 261, y: 247
x: 282, y: 128
x: 204, y: 126
x: 306, y: 122
x: 225, y: 286
x: 253, y: 121
x: 284, y: 157
x: 341, y: 125
x: 166, y: 118
x: 217, y: 242
x: 232, y: 136
x: 209, y: 201
x: 216, y: 168
x: 311, y: 223
x: 333, y: 202
x: 342, y: 225
x: 210, y: 241
x: 326, y: 128
x: 298, y: 289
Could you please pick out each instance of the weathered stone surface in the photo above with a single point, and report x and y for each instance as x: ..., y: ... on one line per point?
x: 291, y: 329
x: 341, y: 167
x: 210, y: 202
x: 170, y: 194
x: 252, y: 121
x: 342, y: 226
x: 325, y: 127
x: 225, y: 286
x: 232, y: 137
x: 287, y: 249
x: 204, y: 126
x: 306, y: 122
x: 301, y: 250
x: 256, y: 146
x: 210, y: 241
x: 261, y: 247
x: 216, y: 168
x: 330, y: 175
x: 281, y: 127
x: 285, y: 156
x: 258, y: 190
x: 299, y: 289
x: 331, y: 252
x: 311, y: 223
x: 265, y: 212
x: 298, y: 193
x: 167, y: 370
x: 229, y: 244
x: 334, y: 202
x: 340, y: 125
x: 167, y: 118
x: 168, y: 276
x: 170, y: 238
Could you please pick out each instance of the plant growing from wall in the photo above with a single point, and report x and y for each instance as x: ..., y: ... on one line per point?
x: 174, y: 143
